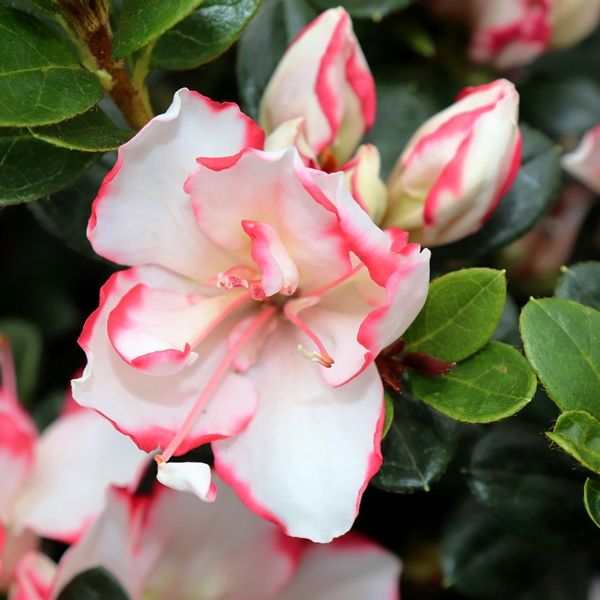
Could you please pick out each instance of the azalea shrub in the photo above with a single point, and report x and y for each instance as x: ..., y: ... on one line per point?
x: 300, y: 300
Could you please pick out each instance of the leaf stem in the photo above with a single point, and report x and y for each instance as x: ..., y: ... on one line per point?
x: 89, y: 21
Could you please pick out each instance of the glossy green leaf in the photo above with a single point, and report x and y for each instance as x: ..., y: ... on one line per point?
x: 263, y: 44
x: 581, y: 283
x: 92, y: 131
x: 491, y: 385
x: 462, y: 310
x: 30, y: 168
x: 533, y: 491
x: 562, y: 105
x: 41, y: 81
x: 529, y: 198
x: 26, y: 347
x: 93, y: 584
x: 204, y: 35
x: 142, y: 21
x: 591, y: 498
x: 578, y: 433
x: 417, y: 448
x: 66, y: 213
x: 359, y: 9
x: 481, y: 558
x: 401, y: 108
x: 562, y: 342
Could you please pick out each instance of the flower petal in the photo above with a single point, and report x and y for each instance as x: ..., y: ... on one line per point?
x: 33, y: 578
x: 192, y: 477
x: 151, y: 408
x: 77, y: 458
x: 13, y: 547
x: 311, y: 449
x: 584, y: 162
x: 350, y: 568
x: 141, y: 214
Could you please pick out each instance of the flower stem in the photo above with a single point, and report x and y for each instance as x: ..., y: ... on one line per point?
x: 89, y: 24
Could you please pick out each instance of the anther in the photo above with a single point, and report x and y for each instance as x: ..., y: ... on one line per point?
x: 325, y: 361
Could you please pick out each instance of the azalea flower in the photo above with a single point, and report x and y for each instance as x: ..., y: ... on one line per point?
x: 260, y: 294
x: 584, y: 162
x: 168, y: 546
x: 53, y: 484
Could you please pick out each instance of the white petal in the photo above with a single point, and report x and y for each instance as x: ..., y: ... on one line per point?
x: 193, y: 477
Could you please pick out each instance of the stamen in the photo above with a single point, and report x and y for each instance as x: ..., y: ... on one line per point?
x: 265, y: 315
x: 325, y: 361
x: 329, y: 286
x: 322, y: 356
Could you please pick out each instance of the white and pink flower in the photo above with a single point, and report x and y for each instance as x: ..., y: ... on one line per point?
x: 584, y: 162
x: 324, y: 80
x: 457, y: 166
x: 260, y: 294
x: 53, y: 484
x: 167, y: 545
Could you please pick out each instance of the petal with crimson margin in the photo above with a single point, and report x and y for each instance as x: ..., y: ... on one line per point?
x: 151, y: 408
x: 310, y: 450
x: 142, y: 214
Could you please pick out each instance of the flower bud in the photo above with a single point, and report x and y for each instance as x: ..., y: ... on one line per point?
x: 584, y: 162
x: 323, y: 78
x: 573, y: 20
x: 457, y: 166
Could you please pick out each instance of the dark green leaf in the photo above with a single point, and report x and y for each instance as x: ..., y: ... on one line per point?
x: 462, y: 310
x: 491, y: 385
x: 401, y: 108
x: 66, y: 213
x: 565, y: 105
x: 535, y: 492
x: 263, y: 44
x: 417, y: 448
x: 26, y: 346
x: 92, y: 131
x: 562, y: 342
x: 578, y: 433
x: 508, y: 327
x: 93, y: 584
x: 480, y: 558
x: 389, y: 415
x: 41, y: 81
x: 532, y: 194
x: 591, y: 498
x: 359, y: 9
x: 581, y: 283
x: 204, y: 35
x: 142, y: 21
x: 30, y: 168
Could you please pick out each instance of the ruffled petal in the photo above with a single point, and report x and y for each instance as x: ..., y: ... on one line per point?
x: 584, y: 162
x: 141, y: 214
x: 311, y: 449
x: 151, y: 408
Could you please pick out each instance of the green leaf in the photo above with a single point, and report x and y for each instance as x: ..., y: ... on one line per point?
x: 562, y: 342
x: 532, y: 194
x: 462, y: 310
x: 204, y: 35
x: 41, y: 81
x: 92, y: 131
x: 531, y: 490
x: 591, y: 499
x: 93, y: 584
x: 480, y: 558
x: 581, y: 283
x: 30, y: 168
x: 359, y: 9
x: 26, y: 346
x: 563, y: 105
x: 142, y: 21
x: 491, y: 385
x: 578, y: 433
x: 66, y: 213
x: 263, y: 44
x: 401, y: 108
x: 417, y: 448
